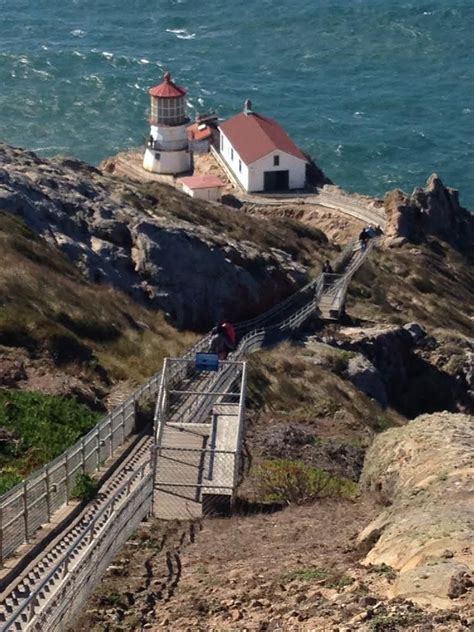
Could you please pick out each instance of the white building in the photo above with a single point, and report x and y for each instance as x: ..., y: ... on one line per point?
x: 260, y: 153
x: 167, y: 150
x: 203, y: 187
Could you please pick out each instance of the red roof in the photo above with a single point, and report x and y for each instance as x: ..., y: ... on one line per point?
x: 254, y: 136
x: 202, y: 182
x: 194, y: 133
x: 167, y: 89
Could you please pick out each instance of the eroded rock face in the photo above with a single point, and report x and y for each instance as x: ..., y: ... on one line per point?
x: 362, y: 373
x: 407, y: 368
x: 196, y: 274
x: 430, y: 210
x: 424, y: 474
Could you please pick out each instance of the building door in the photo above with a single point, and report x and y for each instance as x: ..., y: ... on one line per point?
x: 276, y: 180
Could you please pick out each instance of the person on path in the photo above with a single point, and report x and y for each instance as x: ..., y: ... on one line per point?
x: 223, y: 339
x: 327, y: 267
x: 363, y: 238
x: 229, y: 330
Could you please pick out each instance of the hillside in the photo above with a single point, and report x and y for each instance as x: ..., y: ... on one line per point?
x: 196, y: 262
x: 98, y: 274
x: 102, y: 278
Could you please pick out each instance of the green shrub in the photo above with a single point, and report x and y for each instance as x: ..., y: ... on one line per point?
x: 8, y: 479
x: 85, y: 488
x: 387, y: 622
x: 425, y: 286
x: 339, y: 362
x: 66, y: 348
x: 89, y: 327
x: 43, y: 426
x: 330, y: 578
x: 379, y: 295
x: 295, y: 482
x: 306, y: 574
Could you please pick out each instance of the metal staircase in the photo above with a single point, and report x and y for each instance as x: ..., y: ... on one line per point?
x: 198, y: 417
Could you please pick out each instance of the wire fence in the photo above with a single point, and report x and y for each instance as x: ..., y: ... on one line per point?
x: 32, y: 503
x: 192, y: 474
x: 62, y: 591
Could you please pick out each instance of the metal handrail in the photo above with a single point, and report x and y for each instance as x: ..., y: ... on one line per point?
x: 256, y: 325
x: 76, y: 541
x: 252, y: 340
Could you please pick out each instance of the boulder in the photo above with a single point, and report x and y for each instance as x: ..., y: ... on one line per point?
x: 424, y: 474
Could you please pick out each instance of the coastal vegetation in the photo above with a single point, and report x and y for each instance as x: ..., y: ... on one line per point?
x: 36, y: 428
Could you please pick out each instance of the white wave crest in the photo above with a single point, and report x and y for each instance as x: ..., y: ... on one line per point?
x: 78, y: 33
x: 182, y: 33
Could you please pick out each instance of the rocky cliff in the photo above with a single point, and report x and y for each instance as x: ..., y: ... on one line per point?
x: 119, y: 236
x: 430, y: 210
x: 409, y: 369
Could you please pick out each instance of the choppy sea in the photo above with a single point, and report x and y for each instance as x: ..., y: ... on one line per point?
x: 380, y: 92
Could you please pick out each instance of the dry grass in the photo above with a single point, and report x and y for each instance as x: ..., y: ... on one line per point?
x: 286, y: 384
x: 431, y: 285
x: 45, y: 304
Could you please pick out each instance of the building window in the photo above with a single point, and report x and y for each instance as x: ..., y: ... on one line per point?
x: 276, y: 161
x: 240, y: 165
x: 232, y: 154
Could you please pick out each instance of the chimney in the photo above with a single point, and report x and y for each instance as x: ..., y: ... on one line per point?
x: 248, y: 107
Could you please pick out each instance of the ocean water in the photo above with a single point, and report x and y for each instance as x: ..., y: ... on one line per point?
x: 380, y: 92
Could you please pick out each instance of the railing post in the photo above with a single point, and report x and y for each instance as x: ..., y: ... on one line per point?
x: 210, y: 472
x: 66, y: 566
x: 83, y: 455
x: 158, y: 423
x: 111, y: 451
x: 48, y: 494
x: 25, y: 509
x: 1, y: 536
x: 98, y: 448
x: 67, y: 477
x: 32, y: 608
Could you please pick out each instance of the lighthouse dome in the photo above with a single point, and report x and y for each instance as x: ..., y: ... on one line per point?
x: 168, y: 103
x: 167, y: 89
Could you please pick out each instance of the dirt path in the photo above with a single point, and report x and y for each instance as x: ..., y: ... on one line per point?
x: 295, y: 569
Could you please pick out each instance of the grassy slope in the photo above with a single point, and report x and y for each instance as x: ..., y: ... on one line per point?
x: 47, y: 306
x: 50, y: 313
x: 285, y: 384
x: 431, y: 284
x: 39, y: 428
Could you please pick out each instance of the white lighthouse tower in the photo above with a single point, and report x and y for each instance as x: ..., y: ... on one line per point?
x: 167, y: 149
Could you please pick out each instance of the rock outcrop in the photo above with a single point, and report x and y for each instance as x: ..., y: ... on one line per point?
x: 424, y: 474
x: 140, y: 249
x: 433, y: 210
x: 407, y: 369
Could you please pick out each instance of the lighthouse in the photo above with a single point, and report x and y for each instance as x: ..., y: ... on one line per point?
x: 167, y: 149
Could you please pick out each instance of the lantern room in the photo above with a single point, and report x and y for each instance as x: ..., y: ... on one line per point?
x: 168, y: 103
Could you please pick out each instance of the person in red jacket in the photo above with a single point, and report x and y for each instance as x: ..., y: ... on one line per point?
x: 229, y: 331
